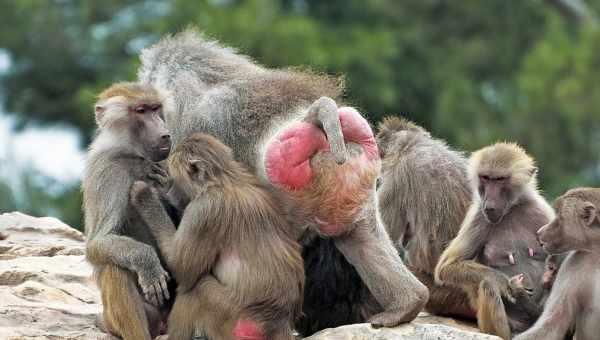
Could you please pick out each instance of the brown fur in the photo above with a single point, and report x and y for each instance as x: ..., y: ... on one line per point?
x: 232, y: 229
x: 478, y: 260
x: 574, y: 300
x: 423, y: 197
x: 128, y: 268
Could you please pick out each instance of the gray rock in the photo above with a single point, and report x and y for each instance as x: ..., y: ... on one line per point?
x: 410, y: 331
x: 46, y: 291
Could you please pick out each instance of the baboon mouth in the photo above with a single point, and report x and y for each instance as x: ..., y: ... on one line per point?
x: 493, y: 219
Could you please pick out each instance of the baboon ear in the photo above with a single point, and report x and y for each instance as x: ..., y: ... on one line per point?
x: 588, y: 213
x: 533, y: 171
x: 99, y: 111
x: 196, y: 169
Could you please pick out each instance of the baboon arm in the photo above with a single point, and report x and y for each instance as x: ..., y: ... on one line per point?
x: 369, y: 249
x: 158, y: 221
x: 456, y: 265
x: 122, y: 251
x: 198, y: 241
x: 105, y: 245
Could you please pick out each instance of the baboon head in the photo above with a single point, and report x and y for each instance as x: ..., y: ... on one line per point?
x: 133, y: 113
x: 197, y: 161
x: 576, y: 222
x: 501, y: 174
x: 396, y: 131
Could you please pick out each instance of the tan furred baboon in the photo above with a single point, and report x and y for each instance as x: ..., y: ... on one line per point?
x: 574, y: 301
x: 423, y: 197
x: 131, y: 138
x: 286, y: 127
x: 506, y: 208
x: 239, y: 271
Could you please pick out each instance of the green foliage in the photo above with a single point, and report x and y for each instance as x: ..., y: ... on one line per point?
x: 471, y: 71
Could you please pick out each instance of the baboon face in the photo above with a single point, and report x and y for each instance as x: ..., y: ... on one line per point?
x: 496, y: 195
x: 568, y: 230
x: 149, y: 129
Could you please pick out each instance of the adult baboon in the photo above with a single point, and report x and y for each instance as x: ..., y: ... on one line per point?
x: 423, y: 197
x: 132, y: 137
x: 506, y: 207
x: 574, y: 301
x: 283, y: 125
x: 239, y: 272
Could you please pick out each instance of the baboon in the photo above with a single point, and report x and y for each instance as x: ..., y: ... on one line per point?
x: 574, y: 301
x: 424, y: 196
x: 506, y: 208
x: 286, y: 127
x: 239, y: 272
x: 131, y: 138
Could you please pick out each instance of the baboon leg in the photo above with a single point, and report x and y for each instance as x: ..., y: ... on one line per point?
x: 204, y: 308
x: 125, y: 312
x: 445, y: 300
x: 491, y: 315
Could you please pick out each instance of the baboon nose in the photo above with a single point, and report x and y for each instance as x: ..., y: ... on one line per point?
x: 166, y: 137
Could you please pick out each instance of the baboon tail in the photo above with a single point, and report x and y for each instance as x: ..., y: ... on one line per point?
x: 325, y: 112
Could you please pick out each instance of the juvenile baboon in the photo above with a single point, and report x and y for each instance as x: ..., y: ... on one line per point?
x: 574, y: 300
x: 285, y: 126
x: 131, y: 138
x: 239, y: 272
x: 506, y: 208
x: 424, y: 196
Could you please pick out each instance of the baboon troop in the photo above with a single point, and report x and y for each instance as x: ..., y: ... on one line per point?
x: 231, y: 201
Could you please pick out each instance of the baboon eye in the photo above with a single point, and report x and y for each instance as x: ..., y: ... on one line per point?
x: 140, y: 109
x: 485, y: 178
x: 155, y: 107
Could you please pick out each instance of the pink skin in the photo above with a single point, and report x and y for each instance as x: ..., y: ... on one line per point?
x: 288, y: 156
x: 247, y: 330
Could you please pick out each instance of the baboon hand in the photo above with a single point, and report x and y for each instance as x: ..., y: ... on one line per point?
x: 141, y: 192
x: 159, y: 176
x: 517, y: 286
x: 502, y: 285
x: 154, y: 285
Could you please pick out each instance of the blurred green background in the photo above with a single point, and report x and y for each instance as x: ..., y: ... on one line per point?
x: 471, y: 71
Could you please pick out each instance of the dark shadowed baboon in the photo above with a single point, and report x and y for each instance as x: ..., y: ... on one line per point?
x: 423, y: 198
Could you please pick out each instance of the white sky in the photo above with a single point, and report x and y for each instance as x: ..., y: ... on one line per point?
x: 53, y: 151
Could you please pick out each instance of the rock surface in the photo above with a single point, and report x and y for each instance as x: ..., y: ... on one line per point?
x: 45, y: 286
x: 46, y: 291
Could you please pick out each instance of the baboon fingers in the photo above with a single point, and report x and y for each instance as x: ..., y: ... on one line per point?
x: 164, y: 288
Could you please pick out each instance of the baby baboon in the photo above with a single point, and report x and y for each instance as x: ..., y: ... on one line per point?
x: 239, y: 272
x: 423, y: 198
x: 285, y: 126
x: 131, y: 138
x: 506, y: 207
x: 574, y: 300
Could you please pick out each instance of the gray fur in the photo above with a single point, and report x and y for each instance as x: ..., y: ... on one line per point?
x: 216, y: 91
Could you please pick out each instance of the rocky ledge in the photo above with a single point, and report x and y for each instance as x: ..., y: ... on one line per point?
x: 46, y: 291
